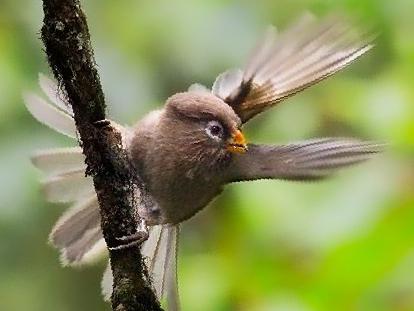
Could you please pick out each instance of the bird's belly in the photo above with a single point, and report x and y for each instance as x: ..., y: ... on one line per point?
x: 178, y: 203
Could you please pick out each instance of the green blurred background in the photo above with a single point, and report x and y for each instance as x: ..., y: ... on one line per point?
x: 344, y: 244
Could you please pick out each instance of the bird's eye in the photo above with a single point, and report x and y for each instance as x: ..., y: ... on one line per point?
x: 215, y: 130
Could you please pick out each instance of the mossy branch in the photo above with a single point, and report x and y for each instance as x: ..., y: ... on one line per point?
x: 65, y: 35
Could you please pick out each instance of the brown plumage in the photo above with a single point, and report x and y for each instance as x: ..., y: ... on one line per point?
x: 177, y: 154
x: 190, y: 149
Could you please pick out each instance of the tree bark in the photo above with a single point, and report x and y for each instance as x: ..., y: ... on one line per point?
x: 65, y: 35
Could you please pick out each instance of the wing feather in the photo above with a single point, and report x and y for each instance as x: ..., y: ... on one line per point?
x: 285, y: 64
x: 51, y: 89
x: 226, y: 83
x: 161, y: 252
x: 158, y: 263
x: 77, y: 233
x: 171, y: 283
x: 198, y: 88
x: 49, y: 115
x: 70, y: 187
x: 310, y: 160
x: 59, y: 161
x: 107, y: 282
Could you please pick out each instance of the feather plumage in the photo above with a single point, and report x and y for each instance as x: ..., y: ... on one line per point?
x: 171, y: 282
x: 49, y: 115
x: 59, y: 161
x: 198, y: 88
x: 227, y: 82
x: 107, y: 282
x: 160, y: 252
x: 78, y: 231
x: 69, y: 187
x: 285, y: 64
x: 309, y: 160
x: 281, y: 66
x: 51, y: 89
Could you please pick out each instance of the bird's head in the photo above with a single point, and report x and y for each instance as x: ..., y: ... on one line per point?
x: 205, y: 122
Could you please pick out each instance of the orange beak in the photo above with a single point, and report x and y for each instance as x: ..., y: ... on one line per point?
x: 237, y: 143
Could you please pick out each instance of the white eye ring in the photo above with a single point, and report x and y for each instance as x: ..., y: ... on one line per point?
x: 215, y: 130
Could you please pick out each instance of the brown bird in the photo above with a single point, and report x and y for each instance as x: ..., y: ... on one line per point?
x: 190, y: 149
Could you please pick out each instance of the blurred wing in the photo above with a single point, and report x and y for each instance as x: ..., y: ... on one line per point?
x: 51, y: 89
x: 227, y: 82
x: 58, y: 116
x: 198, y: 88
x: 77, y: 234
x: 69, y: 187
x: 107, y: 282
x: 309, y: 160
x: 49, y: 115
x: 59, y: 161
x: 65, y: 171
x: 285, y: 64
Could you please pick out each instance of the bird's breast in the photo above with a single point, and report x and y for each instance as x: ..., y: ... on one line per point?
x: 181, y: 176
x: 181, y: 196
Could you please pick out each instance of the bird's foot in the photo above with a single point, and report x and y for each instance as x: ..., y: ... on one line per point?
x: 102, y: 123
x: 137, y: 238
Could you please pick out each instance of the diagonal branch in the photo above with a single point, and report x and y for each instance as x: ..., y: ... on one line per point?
x: 66, y: 38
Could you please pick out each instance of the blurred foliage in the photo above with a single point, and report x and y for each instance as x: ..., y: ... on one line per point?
x: 345, y: 244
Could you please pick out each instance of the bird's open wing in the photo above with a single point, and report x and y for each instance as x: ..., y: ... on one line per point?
x: 308, y: 160
x: 286, y: 63
x: 77, y: 234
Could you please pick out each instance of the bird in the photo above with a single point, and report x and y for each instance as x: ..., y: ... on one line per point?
x: 187, y: 151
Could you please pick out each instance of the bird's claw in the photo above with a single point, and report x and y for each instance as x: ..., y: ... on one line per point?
x: 137, y: 238
x: 102, y: 123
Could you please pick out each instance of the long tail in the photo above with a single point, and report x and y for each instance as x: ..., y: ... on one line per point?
x: 77, y: 234
x: 160, y: 251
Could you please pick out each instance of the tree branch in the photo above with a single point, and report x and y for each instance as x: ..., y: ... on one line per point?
x: 65, y: 35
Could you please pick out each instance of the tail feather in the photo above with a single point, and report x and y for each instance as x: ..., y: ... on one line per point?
x: 153, y: 250
x: 58, y: 161
x: 160, y: 250
x: 75, y: 221
x: 159, y: 262
x: 70, y: 187
x: 47, y: 114
x: 171, y: 283
x: 51, y: 89
x: 77, y: 234
x: 85, y: 249
x: 163, y: 266
x: 107, y: 282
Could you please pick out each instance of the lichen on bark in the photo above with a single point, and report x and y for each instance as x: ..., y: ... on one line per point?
x: 66, y: 38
